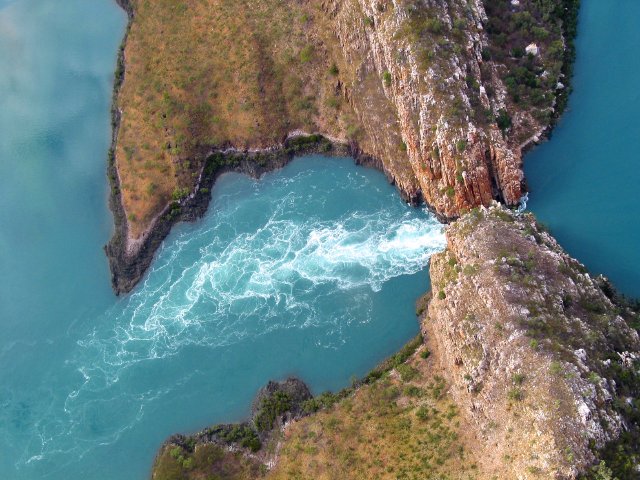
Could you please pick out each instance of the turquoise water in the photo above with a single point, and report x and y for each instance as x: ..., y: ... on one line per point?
x: 584, y: 182
x: 311, y: 271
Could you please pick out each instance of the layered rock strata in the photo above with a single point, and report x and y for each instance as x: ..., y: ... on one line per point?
x: 544, y: 363
x: 439, y: 94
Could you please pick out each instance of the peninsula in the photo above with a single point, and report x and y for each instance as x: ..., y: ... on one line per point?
x: 527, y: 366
x: 443, y: 96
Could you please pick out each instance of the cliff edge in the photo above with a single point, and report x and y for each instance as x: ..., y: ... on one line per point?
x: 442, y: 95
x: 527, y: 367
x: 543, y: 358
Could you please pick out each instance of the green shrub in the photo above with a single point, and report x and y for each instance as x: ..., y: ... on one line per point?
x: 407, y: 372
x: 243, y: 435
x: 593, y: 378
x: 386, y: 78
x: 602, y: 472
x: 515, y: 394
x: 272, y: 407
x: 422, y: 413
x: 503, y: 119
x: 180, y: 193
x: 306, y: 54
x: 175, y: 452
x: 412, y: 391
x: 434, y: 25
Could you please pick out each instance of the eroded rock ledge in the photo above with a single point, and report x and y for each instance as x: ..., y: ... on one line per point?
x: 542, y: 356
x: 443, y: 94
x: 530, y: 368
x: 129, y: 263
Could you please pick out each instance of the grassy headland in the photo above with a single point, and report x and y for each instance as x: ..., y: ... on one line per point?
x: 401, y: 80
x: 213, y: 74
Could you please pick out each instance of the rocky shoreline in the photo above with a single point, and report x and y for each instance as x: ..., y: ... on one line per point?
x: 128, y: 263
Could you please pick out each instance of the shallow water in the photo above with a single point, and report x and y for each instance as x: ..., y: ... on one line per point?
x: 311, y: 271
x: 584, y: 182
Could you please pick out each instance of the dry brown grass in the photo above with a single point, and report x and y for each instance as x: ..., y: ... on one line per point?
x: 206, y: 73
x: 404, y: 426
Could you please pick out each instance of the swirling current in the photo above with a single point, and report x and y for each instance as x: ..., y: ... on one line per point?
x: 311, y: 271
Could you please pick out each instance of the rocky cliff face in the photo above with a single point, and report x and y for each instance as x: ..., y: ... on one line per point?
x: 443, y: 95
x: 429, y: 86
x: 544, y: 364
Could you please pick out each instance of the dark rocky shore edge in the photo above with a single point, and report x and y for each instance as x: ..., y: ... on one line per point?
x: 127, y: 268
x: 278, y: 403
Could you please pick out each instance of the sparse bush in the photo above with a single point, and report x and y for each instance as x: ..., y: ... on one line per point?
x: 412, y: 391
x: 407, y: 372
x: 271, y: 408
x: 422, y: 413
x: 556, y: 368
x: 306, y: 54
x: 515, y: 394
x: 386, y: 78
x: 180, y: 193
x: 503, y: 119
x: 175, y: 452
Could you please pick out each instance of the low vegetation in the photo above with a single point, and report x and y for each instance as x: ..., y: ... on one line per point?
x: 211, y: 74
x: 397, y: 422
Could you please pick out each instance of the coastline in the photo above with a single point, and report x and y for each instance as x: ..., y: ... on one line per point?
x: 129, y: 259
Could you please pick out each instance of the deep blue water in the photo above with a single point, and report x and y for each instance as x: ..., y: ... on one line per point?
x: 584, y: 182
x: 311, y: 271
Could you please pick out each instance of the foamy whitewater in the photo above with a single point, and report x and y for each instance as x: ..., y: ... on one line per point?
x: 271, y: 255
x: 312, y: 271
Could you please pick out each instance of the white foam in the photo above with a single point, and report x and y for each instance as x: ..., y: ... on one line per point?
x: 261, y: 275
x: 233, y: 278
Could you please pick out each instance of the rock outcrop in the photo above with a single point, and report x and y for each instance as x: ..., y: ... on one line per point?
x: 544, y: 364
x: 439, y: 94
x: 530, y: 368
x: 441, y: 100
